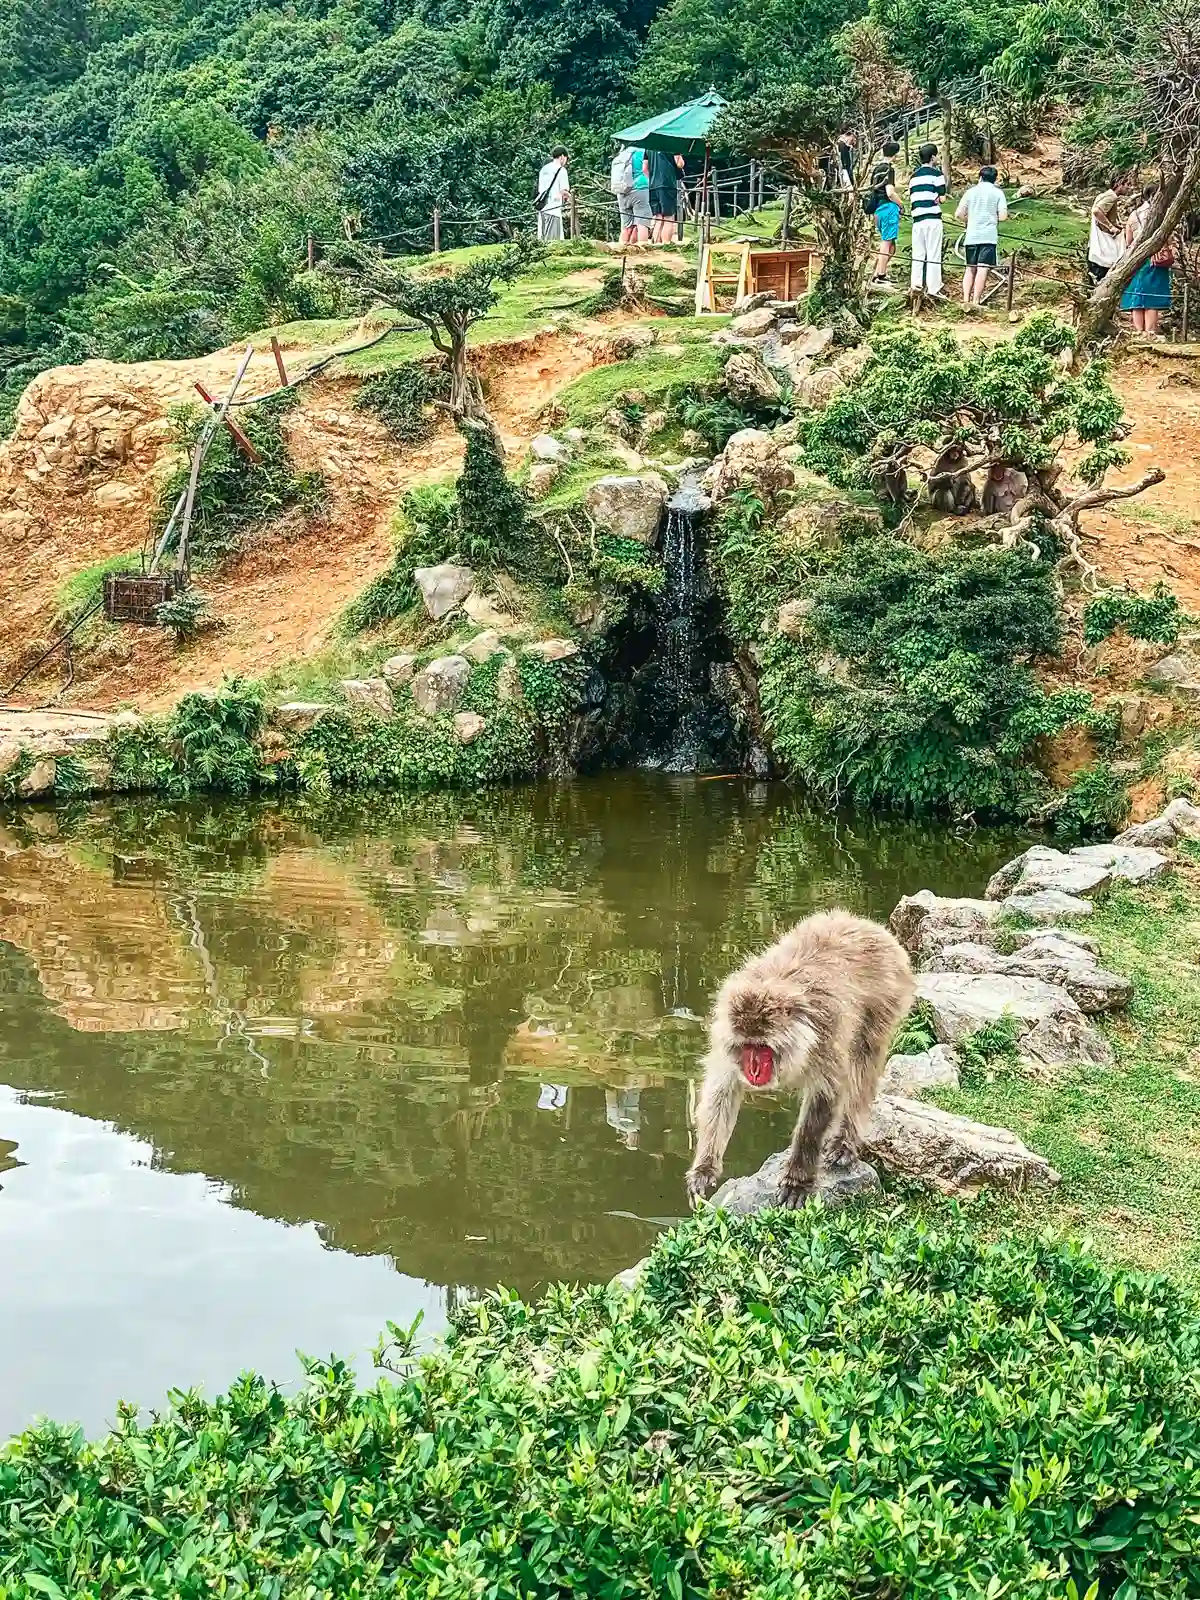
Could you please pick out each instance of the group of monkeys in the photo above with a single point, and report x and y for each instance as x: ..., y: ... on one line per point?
x: 952, y: 487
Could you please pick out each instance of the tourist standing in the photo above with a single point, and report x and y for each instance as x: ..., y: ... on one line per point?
x: 847, y: 143
x: 1148, y: 293
x: 1106, y: 235
x: 665, y: 170
x: 926, y: 196
x: 553, y: 185
x: 983, y: 208
x: 883, y: 201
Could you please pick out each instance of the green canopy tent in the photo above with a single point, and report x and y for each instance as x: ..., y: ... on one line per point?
x: 679, y: 131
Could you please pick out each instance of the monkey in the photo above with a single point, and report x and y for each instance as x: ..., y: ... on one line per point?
x: 950, y: 486
x: 813, y: 1013
x: 1004, y: 487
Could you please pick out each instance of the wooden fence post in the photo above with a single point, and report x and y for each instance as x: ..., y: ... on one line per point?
x: 1012, y: 278
x: 279, y: 366
x: 574, y: 215
x: 787, y: 216
x: 437, y: 230
x: 680, y: 212
x: 312, y: 252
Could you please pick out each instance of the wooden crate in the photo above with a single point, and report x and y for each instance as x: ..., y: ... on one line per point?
x: 787, y: 274
x: 134, y: 596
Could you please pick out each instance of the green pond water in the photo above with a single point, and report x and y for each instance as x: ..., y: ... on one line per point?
x: 272, y: 1073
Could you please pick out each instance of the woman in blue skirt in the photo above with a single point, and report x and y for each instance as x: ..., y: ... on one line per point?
x: 1148, y: 293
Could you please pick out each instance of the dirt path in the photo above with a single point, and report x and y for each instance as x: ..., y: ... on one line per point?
x: 79, y: 479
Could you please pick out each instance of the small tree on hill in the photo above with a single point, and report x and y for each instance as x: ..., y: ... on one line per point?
x: 448, y: 305
x: 1136, y: 92
x: 797, y: 128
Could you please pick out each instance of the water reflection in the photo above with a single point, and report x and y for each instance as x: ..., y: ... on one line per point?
x: 453, y: 1031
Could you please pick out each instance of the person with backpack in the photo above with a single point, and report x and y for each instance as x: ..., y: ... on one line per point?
x: 926, y: 196
x: 882, y: 201
x: 629, y: 180
x: 553, y: 186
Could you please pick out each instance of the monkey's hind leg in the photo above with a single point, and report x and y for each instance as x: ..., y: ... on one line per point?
x: 716, y: 1117
x: 805, y: 1153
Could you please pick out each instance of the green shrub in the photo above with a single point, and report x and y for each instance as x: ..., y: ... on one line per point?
x: 233, y: 494
x: 990, y: 1050
x: 185, y: 614
x: 215, y: 735
x: 1097, y: 802
x: 864, y: 1404
x: 491, y: 510
x: 1156, y: 617
x: 405, y: 399
x: 917, y: 1032
x: 911, y: 688
x: 426, y: 533
x: 627, y: 564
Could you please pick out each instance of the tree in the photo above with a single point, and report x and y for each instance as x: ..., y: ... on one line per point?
x: 739, y: 47
x: 942, y: 40
x: 1136, y: 94
x: 797, y: 127
x: 448, y: 305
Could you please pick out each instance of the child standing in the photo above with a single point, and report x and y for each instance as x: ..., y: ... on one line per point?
x: 885, y: 203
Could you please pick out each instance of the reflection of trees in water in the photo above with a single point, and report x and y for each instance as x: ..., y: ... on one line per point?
x: 407, y: 969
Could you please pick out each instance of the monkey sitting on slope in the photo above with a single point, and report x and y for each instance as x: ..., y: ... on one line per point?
x: 815, y: 1013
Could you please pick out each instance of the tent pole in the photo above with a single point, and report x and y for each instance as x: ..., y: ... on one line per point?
x: 704, y: 183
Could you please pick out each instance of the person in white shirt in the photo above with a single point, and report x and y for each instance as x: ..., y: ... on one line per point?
x: 983, y: 208
x: 553, y: 186
x: 1106, y: 236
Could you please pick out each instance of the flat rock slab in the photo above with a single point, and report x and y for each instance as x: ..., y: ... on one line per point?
x: 1047, y: 905
x: 1180, y: 820
x: 931, y: 1069
x: 741, y: 1196
x: 1066, y: 966
x: 1040, y: 868
x: 1125, y: 863
x: 1051, y: 1027
x: 949, y: 1153
x: 925, y: 920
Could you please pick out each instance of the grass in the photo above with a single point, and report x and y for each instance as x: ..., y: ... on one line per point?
x: 1126, y: 1139
x: 657, y: 373
x: 84, y: 586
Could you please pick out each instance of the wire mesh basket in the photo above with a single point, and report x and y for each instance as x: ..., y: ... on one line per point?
x: 135, y: 596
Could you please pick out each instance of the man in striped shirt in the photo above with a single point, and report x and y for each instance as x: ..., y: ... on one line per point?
x: 926, y: 195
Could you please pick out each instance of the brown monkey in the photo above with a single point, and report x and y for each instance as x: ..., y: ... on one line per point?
x: 949, y: 483
x: 1005, y: 485
x: 814, y: 1013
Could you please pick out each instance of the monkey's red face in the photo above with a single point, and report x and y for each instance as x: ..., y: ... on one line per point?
x: 758, y: 1065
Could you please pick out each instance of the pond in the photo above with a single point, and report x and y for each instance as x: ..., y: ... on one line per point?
x: 273, y: 1073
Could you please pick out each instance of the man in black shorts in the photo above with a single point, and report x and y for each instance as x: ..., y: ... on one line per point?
x: 664, y: 194
x: 983, y: 208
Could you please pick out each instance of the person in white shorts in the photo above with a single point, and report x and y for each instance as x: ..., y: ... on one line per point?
x: 926, y: 196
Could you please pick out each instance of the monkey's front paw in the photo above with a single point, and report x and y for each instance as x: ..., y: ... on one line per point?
x: 701, y: 1182
x: 794, y: 1192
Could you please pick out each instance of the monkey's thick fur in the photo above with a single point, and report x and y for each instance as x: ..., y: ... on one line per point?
x: 815, y: 1013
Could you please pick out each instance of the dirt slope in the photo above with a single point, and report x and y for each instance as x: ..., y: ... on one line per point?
x: 79, y: 479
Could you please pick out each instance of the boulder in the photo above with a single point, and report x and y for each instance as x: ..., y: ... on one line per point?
x: 821, y: 521
x: 485, y: 613
x: 1184, y: 817
x: 819, y: 388
x: 10, y: 754
x: 1125, y: 863
x: 753, y: 322
x: 629, y: 507
x: 483, y: 646
x: 552, y: 649
x: 1042, y: 868
x: 545, y: 447
x: 443, y: 587
x: 1067, y: 966
x: 298, y: 716
x: 508, y: 682
x: 1155, y: 834
x: 468, y: 725
x: 1180, y: 671
x: 543, y: 475
x: 931, y: 1069
x: 949, y: 1153
x: 439, y: 687
x: 1051, y: 1027
x: 789, y: 619
x: 747, y: 381
x: 1046, y: 905
x: 924, y: 921
x: 804, y: 340
x: 752, y: 459
x: 1055, y: 937
x: 39, y: 780
x: 371, y: 695
x: 399, y: 669
x: 760, y: 1190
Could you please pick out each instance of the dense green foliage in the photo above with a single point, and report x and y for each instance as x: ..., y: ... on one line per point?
x: 404, y: 399
x: 909, y: 684
x: 234, y: 495
x: 1011, y: 400
x: 1157, y: 617
x: 790, y: 1405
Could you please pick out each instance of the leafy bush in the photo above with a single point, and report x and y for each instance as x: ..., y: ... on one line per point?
x: 233, y: 494
x: 990, y: 1050
x: 1156, y: 617
x: 863, y: 1404
x: 1097, y: 803
x: 427, y: 531
x: 911, y: 687
x: 185, y: 614
x: 404, y: 399
x: 491, y: 510
x: 917, y: 1033
x: 627, y: 564
x: 215, y: 735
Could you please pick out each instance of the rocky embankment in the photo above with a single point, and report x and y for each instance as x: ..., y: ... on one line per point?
x: 1020, y: 952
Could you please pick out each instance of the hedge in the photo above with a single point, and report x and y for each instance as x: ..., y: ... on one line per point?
x: 866, y: 1404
